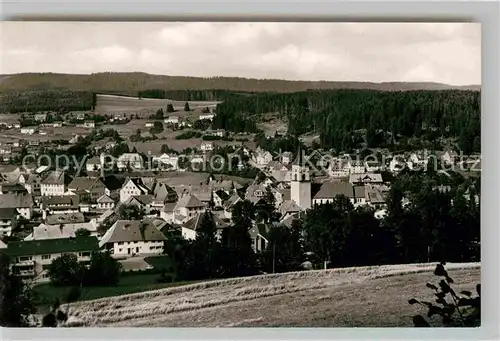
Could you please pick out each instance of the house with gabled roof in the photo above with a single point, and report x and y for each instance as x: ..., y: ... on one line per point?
x: 228, y: 205
x: 105, y: 202
x: 63, y: 230
x: 89, y: 189
x: 32, y: 183
x: 189, y: 228
x: 329, y: 190
x: 255, y: 193
x: 71, y: 218
x: 259, y: 235
x: 143, y: 202
x: 133, y: 161
x: 60, y: 204
x: 133, y: 187
x: 186, y: 208
x: 21, y: 202
x: 288, y: 207
x: 93, y: 164
x: 365, y: 178
x: 261, y: 157
x: 31, y: 259
x: 54, y: 183
x: 7, y: 221
x: 128, y: 238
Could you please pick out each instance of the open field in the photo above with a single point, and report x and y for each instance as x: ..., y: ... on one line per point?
x: 47, y: 294
x: 60, y: 133
x: 154, y: 146
x: 123, y: 104
x: 308, y: 298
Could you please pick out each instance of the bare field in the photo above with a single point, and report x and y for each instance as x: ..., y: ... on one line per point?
x: 61, y: 133
x: 349, y: 297
x: 154, y: 146
x: 112, y: 103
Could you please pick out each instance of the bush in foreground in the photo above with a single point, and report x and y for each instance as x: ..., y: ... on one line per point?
x: 462, y: 310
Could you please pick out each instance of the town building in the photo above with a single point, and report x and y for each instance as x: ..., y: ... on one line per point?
x: 128, y: 238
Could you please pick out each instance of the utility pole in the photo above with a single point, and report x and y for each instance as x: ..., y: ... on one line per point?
x: 274, y: 254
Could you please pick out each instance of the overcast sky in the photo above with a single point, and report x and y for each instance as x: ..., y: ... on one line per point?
x: 448, y: 53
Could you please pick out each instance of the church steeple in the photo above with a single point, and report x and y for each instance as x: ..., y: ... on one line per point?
x: 300, y: 182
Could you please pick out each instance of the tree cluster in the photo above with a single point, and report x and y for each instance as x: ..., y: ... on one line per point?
x: 103, y: 270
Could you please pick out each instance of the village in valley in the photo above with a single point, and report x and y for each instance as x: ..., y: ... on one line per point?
x: 232, y: 174
x: 48, y: 211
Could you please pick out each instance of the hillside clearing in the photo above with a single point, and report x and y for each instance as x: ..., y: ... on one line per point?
x: 124, y: 104
x: 318, y: 298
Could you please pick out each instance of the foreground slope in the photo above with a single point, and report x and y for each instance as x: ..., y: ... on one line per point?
x: 367, y: 296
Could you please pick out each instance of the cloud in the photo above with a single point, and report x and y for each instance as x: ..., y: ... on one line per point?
x: 440, y: 52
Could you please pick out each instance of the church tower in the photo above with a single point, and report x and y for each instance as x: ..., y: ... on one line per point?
x: 300, y: 191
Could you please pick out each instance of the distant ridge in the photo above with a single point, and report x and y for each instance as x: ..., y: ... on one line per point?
x: 131, y: 82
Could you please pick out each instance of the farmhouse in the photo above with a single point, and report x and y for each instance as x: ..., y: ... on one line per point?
x: 206, y: 116
x: 130, y: 160
x: 217, y: 132
x: 93, y: 164
x: 40, y: 117
x: 173, y: 120
x: 127, y: 238
x: 207, y: 146
x: 28, y: 130
x: 166, y: 161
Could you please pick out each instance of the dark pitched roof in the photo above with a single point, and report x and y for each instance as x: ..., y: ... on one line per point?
x: 13, y: 188
x: 68, y: 200
x: 16, y: 200
x: 331, y: 189
x: 112, y: 182
x: 83, y: 183
x: 71, y: 218
x: 8, y: 213
x: 195, y: 222
x: 51, y: 246
x: 56, y: 177
x: 130, y: 230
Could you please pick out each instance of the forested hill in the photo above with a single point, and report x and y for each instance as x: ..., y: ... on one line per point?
x: 133, y: 82
x: 345, y: 118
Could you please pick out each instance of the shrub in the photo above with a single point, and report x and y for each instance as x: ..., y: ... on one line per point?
x: 457, y: 311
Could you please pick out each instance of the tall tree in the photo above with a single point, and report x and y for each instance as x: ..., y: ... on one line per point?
x: 16, y: 300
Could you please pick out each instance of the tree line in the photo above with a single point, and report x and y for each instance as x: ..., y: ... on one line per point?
x: 42, y: 100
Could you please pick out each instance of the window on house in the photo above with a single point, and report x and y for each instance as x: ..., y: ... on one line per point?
x: 25, y: 258
x: 46, y: 257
